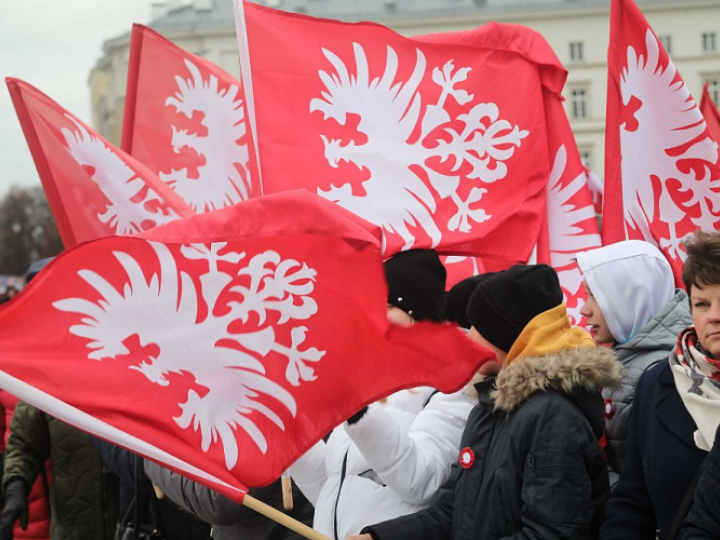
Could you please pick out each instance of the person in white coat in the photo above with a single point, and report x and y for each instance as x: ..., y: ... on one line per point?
x: 391, y: 458
x: 634, y: 306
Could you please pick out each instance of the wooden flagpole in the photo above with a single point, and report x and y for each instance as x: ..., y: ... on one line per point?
x: 283, y: 519
x: 287, y: 494
x: 270, y: 512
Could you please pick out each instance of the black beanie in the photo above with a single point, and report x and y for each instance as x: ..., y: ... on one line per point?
x: 457, y: 299
x: 503, y: 305
x: 416, y: 283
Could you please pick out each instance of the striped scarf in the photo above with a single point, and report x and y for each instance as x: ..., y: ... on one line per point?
x: 697, y: 379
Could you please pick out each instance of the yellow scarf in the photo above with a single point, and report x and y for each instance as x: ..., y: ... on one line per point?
x: 548, y: 333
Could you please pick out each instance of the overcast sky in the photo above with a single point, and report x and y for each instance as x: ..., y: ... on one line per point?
x: 53, y: 45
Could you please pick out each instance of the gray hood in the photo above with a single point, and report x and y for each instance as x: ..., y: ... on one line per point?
x: 660, y: 334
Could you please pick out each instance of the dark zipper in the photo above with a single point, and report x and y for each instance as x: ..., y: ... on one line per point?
x: 337, y: 499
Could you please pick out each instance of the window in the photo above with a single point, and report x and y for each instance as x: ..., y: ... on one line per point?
x: 666, y: 42
x: 585, y: 155
x: 576, y: 51
x: 709, y: 42
x: 579, y: 103
x: 714, y: 89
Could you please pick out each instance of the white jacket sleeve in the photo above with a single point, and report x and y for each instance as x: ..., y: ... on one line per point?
x: 309, y: 472
x: 416, y: 463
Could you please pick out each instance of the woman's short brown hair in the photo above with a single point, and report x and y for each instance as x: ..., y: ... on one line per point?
x: 702, y: 266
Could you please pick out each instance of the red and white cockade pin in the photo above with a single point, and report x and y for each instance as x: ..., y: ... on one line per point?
x: 609, y: 408
x: 467, y: 458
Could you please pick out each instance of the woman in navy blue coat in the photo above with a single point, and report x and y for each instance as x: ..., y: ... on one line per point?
x: 676, y: 413
x: 660, y: 462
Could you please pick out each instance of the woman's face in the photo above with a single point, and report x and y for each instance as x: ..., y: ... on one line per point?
x: 595, y: 319
x: 397, y: 316
x: 705, y: 302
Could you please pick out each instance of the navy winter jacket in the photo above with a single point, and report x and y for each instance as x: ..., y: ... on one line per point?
x: 703, y: 520
x: 660, y: 461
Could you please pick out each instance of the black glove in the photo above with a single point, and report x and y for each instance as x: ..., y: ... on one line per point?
x: 354, y: 418
x: 16, y: 507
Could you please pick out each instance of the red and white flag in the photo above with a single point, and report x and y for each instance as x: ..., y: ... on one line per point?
x: 710, y: 112
x: 441, y: 140
x: 596, y: 189
x: 185, y: 120
x: 661, y: 181
x: 223, y: 345
x: 571, y: 223
x: 459, y: 268
x: 93, y: 188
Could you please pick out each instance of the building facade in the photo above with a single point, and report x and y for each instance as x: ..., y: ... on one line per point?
x: 576, y: 29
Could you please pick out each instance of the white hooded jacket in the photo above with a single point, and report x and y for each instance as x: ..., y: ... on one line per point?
x: 399, y: 454
x: 633, y: 285
x: 631, y: 282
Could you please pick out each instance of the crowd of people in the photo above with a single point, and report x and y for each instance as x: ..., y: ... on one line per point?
x: 605, y: 431
x: 8, y: 290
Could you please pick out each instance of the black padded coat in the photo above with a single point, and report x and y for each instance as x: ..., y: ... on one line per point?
x: 538, y: 470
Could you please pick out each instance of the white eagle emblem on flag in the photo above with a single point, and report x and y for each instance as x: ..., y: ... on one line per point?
x: 186, y: 329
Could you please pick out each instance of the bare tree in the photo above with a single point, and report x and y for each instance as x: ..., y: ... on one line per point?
x: 27, y: 230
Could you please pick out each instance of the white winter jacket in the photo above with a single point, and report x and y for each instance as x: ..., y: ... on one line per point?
x: 399, y: 454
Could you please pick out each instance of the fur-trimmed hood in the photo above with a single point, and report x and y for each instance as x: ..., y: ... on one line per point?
x: 570, y: 371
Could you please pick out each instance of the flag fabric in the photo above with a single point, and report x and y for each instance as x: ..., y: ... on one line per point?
x: 596, y: 190
x: 710, y: 112
x: 185, y: 119
x: 93, y: 188
x: 661, y: 178
x: 459, y: 268
x: 440, y: 140
x: 571, y: 223
x: 223, y: 345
